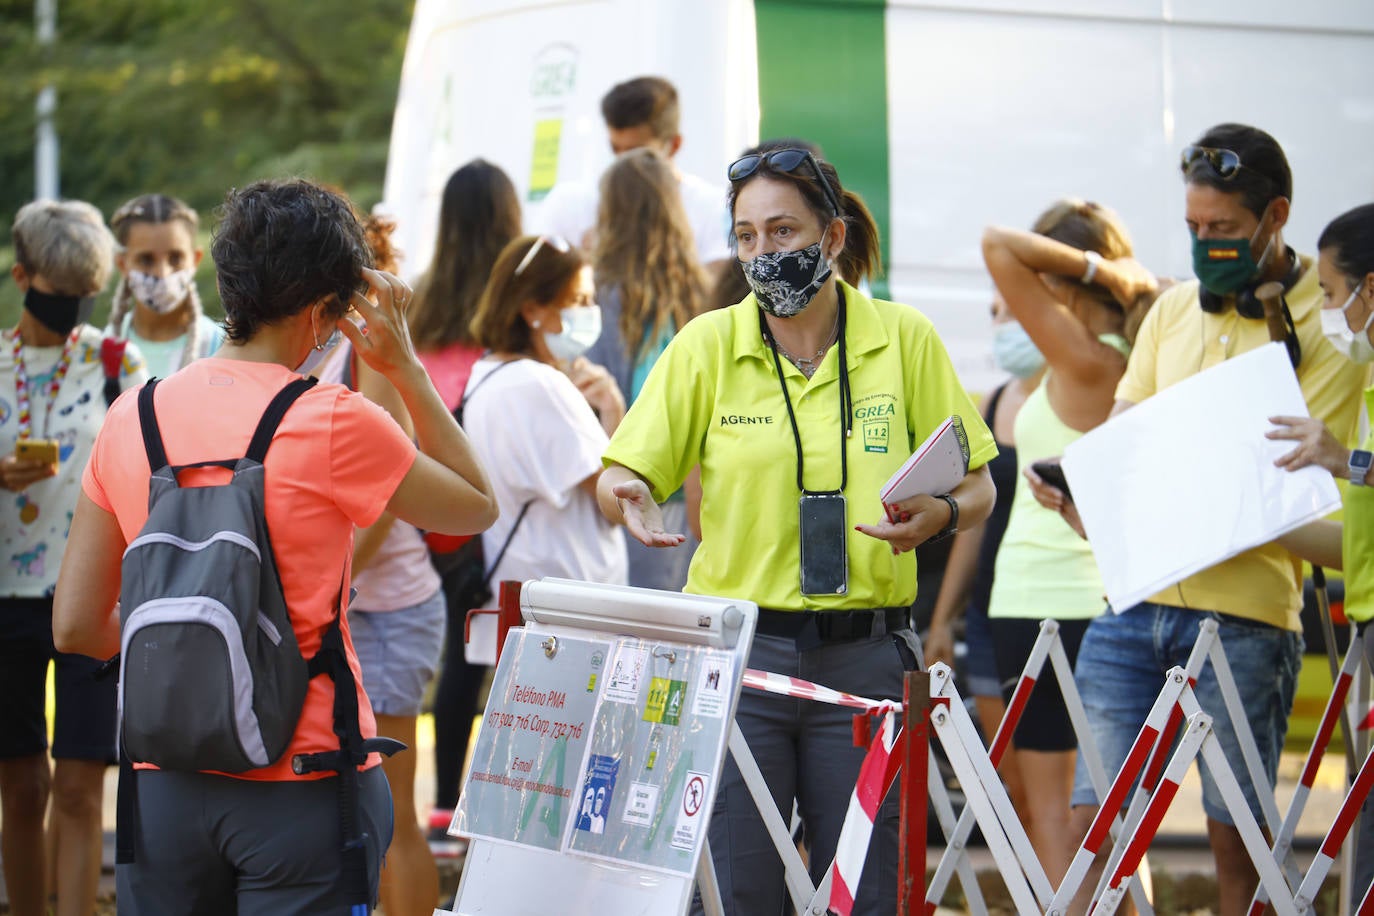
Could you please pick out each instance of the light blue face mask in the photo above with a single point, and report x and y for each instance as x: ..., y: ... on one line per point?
x: 1014, y: 351
x: 581, y: 328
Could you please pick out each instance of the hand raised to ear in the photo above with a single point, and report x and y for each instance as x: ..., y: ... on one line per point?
x: 383, y: 342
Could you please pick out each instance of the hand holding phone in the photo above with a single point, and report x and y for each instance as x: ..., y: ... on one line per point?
x: 1052, y: 472
x: 45, y: 451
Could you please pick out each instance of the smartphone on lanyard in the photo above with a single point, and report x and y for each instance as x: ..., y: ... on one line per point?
x: 824, y: 548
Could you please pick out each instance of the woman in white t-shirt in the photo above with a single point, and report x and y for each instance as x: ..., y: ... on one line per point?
x: 540, y: 415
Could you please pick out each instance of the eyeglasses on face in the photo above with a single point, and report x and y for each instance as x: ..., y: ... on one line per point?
x: 784, y: 160
x: 557, y: 243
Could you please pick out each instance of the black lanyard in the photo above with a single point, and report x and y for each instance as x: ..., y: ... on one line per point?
x: 846, y: 402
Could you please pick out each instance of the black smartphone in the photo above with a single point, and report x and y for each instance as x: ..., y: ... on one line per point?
x: 1052, y: 472
x: 824, y: 552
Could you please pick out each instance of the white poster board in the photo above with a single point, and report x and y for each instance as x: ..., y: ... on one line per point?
x: 1186, y: 479
x: 601, y: 749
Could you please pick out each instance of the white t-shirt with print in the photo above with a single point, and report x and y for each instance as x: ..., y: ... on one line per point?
x: 34, y: 524
x: 538, y: 439
x: 569, y: 211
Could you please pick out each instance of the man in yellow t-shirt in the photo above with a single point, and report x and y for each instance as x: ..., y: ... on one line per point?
x: 1238, y: 188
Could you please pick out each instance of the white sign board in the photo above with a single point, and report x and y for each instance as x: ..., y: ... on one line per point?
x: 601, y: 749
x: 1186, y: 479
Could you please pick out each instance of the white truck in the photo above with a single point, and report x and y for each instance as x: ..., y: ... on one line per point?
x: 946, y: 116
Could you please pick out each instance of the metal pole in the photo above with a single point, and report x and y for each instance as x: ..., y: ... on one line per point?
x: 46, y: 182
x: 911, y: 867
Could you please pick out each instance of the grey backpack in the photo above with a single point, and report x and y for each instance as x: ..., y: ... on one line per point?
x: 210, y: 675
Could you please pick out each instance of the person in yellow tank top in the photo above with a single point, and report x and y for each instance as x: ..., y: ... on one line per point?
x: 1073, y: 285
x: 1345, y: 270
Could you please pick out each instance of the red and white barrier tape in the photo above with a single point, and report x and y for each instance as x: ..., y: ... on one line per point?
x: 805, y: 690
x: 875, y: 778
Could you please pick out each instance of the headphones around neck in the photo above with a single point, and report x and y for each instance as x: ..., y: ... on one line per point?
x: 1247, y: 303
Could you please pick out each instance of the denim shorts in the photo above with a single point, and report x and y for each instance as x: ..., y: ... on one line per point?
x: 1120, y: 672
x: 980, y: 665
x: 399, y: 653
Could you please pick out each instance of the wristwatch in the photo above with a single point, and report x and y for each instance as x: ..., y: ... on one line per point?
x: 1092, y: 260
x: 1360, y: 460
x: 953, y: 525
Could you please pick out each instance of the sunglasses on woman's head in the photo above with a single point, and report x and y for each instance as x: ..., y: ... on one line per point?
x: 557, y: 243
x: 784, y: 160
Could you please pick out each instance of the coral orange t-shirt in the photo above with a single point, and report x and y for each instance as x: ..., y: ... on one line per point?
x: 334, y: 463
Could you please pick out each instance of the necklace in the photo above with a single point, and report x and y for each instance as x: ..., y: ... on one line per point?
x: 21, y: 381
x: 809, y: 364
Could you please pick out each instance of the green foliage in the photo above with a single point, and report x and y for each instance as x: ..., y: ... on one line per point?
x: 192, y: 97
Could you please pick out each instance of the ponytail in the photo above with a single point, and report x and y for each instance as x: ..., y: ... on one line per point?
x: 862, y: 256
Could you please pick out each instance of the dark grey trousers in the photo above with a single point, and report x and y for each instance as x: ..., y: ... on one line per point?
x: 806, y: 752
x: 211, y: 845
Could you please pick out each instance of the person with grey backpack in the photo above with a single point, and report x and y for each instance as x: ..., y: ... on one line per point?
x: 231, y: 491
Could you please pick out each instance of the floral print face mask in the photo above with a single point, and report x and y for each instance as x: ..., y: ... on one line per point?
x: 785, y: 282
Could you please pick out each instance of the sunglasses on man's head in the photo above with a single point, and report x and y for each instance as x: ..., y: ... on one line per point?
x: 1224, y: 162
x: 784, y: 160
x: 557, y: 243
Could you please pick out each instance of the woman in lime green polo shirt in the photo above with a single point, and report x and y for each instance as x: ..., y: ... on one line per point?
x: 798, y: 403
x: 1345, y: 269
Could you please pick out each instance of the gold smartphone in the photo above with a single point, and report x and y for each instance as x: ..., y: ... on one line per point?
x: 44, y: 450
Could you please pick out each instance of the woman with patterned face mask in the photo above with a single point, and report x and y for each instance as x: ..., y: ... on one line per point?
x: 799, y: 403
x: 156, y: 304
x: 1078, y: 296
x: 539, y: 414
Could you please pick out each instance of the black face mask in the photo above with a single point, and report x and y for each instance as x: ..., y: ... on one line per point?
x: 58, y: 314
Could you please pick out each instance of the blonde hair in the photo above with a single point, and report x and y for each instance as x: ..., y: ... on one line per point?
x: 645, y: 249
x: 153, y: 209
x: 66, y: 243
x: 1091, y: 226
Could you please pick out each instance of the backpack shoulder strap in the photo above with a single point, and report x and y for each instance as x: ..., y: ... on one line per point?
x: 272, y: 416
x: 486, y: 579
x: 467, y: 395
x: 111, y: 359
x: 152, y: 435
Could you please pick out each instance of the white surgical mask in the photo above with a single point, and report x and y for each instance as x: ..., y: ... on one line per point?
x: 161, y: 294
x: 1353, y: 345
x: 581, y: 328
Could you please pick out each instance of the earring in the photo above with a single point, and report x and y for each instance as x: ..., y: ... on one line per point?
x: 315, y: 333
x: 535, y: 323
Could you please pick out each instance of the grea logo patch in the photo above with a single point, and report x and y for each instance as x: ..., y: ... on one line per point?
x: 874, y: 415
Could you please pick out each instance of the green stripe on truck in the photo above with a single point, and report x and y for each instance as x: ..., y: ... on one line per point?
x: 823, y: 78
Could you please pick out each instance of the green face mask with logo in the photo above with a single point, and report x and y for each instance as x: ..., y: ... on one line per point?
x: 1224, y: 266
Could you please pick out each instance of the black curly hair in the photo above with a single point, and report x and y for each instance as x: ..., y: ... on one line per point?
x: 281, y: 245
